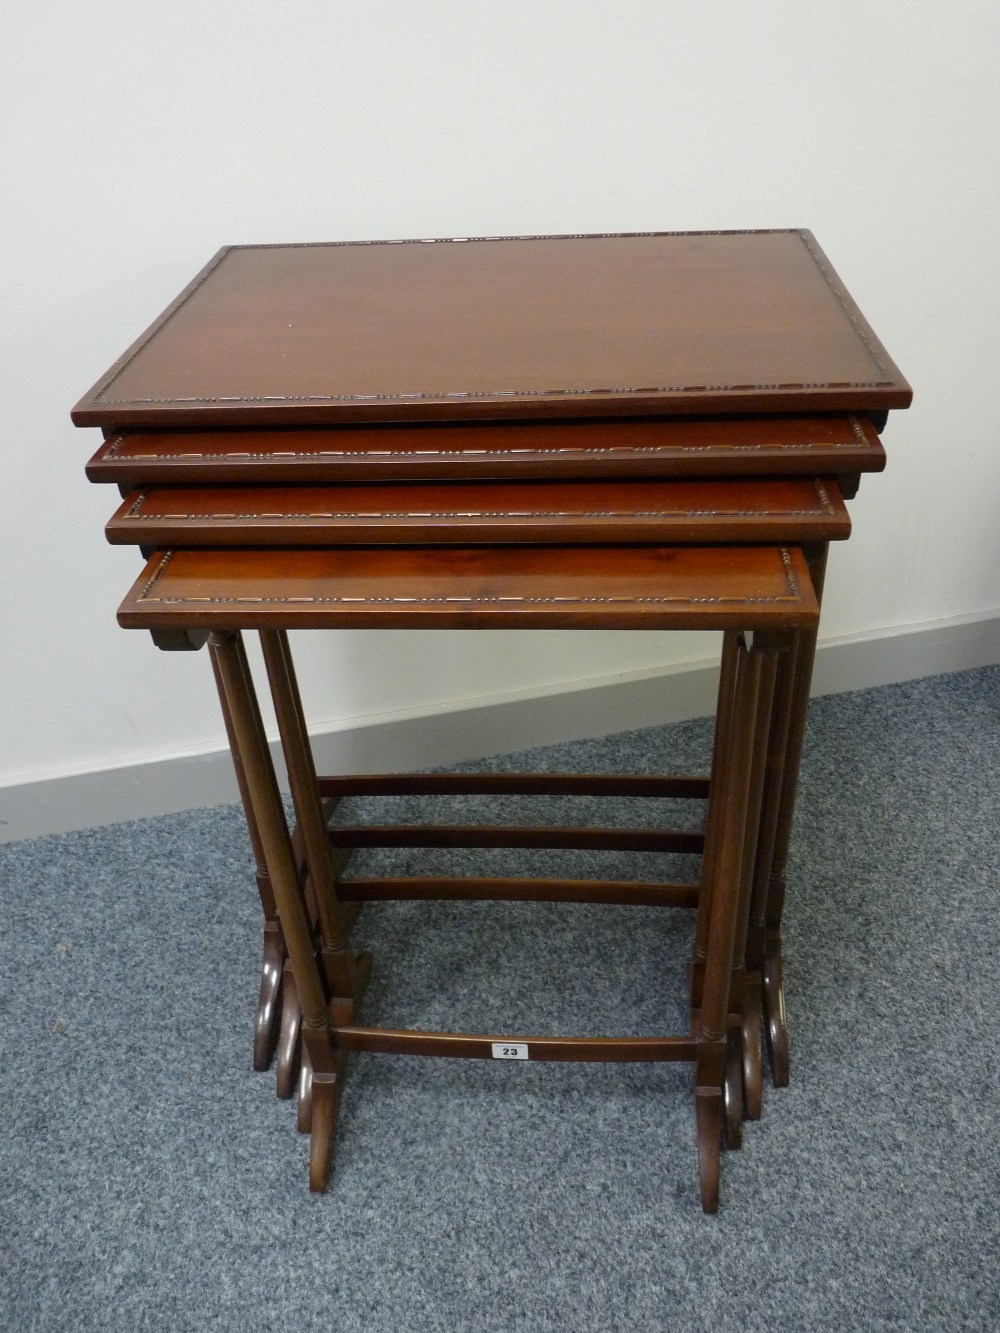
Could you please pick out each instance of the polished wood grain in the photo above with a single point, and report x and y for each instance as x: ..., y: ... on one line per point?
x: 497, y: 451
x: 486, y: 588
x: 493, y: 328
x: 793, y: 510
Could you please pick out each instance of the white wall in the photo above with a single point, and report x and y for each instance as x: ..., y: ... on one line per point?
x: 138, y: 137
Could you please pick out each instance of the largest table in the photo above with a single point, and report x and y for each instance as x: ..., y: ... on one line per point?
x: 500, y: 392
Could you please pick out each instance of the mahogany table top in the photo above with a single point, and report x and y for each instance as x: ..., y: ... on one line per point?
x: 670, y: 324
x: 492, y: 451
x: 484, y: 587
x: 487, y: 513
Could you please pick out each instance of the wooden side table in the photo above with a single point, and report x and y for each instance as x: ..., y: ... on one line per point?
x: 763, y: 592
x: 502, y: 396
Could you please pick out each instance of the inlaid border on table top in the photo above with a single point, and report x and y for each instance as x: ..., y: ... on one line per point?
x: 136, y: 509
x: 484, y: 451
x: 884, y: 388
x: 546, y: 587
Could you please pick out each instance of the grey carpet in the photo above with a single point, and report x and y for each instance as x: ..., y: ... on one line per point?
x: 150, y: 1180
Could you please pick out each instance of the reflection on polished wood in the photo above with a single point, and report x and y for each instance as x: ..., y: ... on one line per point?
x: 732, y: 1093
x: 303, y: 1119
x: 776, y: 1021
x: 269, y: 1001
x: 288, y: 1053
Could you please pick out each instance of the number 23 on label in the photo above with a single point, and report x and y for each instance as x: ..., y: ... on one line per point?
x: 510, y: 1050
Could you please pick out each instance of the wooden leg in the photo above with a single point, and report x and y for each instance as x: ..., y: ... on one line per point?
x: 323, y: 1123
x: 708, y: 1116
x: 236, y: 690
x: 720, y: 745
x: 732, y: 828
x: 289, y: 1054
x: 773, y: 986
x: 305, y: 1094
x: 724, y: 858
x: 751, y: 1046
x: 733, y: 1090
x: 335, y: 953
x: 776, y: 1025
x: 268, y: 1017
x: 764, y: 885
x: 790, y: 714
x: 743, y: 979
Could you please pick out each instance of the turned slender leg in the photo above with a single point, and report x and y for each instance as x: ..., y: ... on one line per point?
x: 269, y: 1000
x: 720, y: 743
x: 739, y: 1070
x: 339, y: 964
x: 724, y: 858
x: 345, y: 974
x: 775, y: 869
x: 236, y: 690
x: 739, y: 991
x: 770, y: 812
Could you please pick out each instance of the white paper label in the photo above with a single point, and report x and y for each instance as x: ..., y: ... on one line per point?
x: 508, y: 1050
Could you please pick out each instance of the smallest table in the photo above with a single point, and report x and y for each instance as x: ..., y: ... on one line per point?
x: 760, y: 596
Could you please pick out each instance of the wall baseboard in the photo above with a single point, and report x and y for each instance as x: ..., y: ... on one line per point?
x: 108, y: 796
